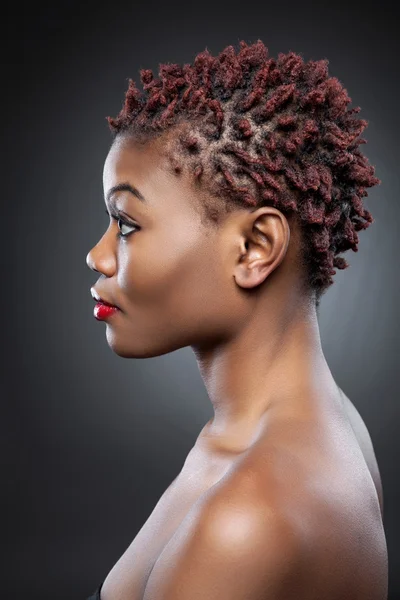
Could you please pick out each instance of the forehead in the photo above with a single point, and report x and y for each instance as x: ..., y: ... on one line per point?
x: 128, y: 160
x: 149, y: 168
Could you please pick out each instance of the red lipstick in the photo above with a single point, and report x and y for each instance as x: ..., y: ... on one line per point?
x: 103, y: 311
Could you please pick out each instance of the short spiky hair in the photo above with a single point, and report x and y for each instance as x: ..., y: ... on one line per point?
x: 257, y: 131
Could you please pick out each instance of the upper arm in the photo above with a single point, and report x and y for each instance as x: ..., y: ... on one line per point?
x: 234, y: 553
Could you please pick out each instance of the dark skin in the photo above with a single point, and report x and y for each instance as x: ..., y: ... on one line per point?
x: 235, y: 295
x: 232, y: 294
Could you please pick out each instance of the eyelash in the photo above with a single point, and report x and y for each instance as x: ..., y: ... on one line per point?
x: 119, y: 219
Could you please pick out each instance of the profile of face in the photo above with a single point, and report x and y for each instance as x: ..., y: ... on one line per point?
x: 172, y: 277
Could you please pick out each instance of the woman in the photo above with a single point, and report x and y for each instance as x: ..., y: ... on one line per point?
x: 232, y: 185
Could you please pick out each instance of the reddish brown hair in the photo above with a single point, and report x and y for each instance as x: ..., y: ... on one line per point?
x: 257, y: 131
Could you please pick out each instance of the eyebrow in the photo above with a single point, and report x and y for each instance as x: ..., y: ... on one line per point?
x: 126, y: 187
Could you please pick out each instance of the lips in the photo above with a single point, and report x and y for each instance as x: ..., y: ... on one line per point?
x: 102, y: 311
x: 98, y: 298
x: 107, y: 303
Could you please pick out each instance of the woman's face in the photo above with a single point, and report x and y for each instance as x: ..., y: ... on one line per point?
x: 172, y: 278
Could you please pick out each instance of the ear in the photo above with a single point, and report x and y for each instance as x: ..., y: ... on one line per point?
x: 264, y: 239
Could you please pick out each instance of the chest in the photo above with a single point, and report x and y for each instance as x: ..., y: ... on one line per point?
x: 128, y: 577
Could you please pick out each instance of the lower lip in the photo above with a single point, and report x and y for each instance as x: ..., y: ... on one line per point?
x: 103, y: 311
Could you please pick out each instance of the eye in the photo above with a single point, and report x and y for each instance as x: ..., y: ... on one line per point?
x: 121, y: 222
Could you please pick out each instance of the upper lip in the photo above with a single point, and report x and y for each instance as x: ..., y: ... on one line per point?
x: 96, y: 296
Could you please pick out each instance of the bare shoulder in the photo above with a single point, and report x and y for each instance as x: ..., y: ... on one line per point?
x: 235, y: 547
x: 249, y: 523
x: 246, y: 540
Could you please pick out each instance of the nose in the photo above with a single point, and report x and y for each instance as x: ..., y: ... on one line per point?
x: 101, y: 259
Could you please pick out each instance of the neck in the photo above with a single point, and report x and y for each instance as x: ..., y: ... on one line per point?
x: 269, y: 364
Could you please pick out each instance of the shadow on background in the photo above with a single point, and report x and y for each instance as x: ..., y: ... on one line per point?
x: 90, y: 440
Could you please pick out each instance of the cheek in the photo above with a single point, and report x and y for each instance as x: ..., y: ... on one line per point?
x: 168, y: 271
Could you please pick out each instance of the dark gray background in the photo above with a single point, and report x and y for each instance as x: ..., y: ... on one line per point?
x: 92, y: 440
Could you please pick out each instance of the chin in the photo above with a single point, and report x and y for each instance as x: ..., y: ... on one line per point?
x: 126, y: 349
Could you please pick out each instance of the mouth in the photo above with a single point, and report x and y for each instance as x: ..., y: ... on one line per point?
x: 101, y: 300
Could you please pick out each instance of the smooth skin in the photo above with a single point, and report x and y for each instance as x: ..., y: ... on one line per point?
x: 235, y: 296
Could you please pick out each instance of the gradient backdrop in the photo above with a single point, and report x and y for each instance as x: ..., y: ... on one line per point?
x: 92, y: 440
